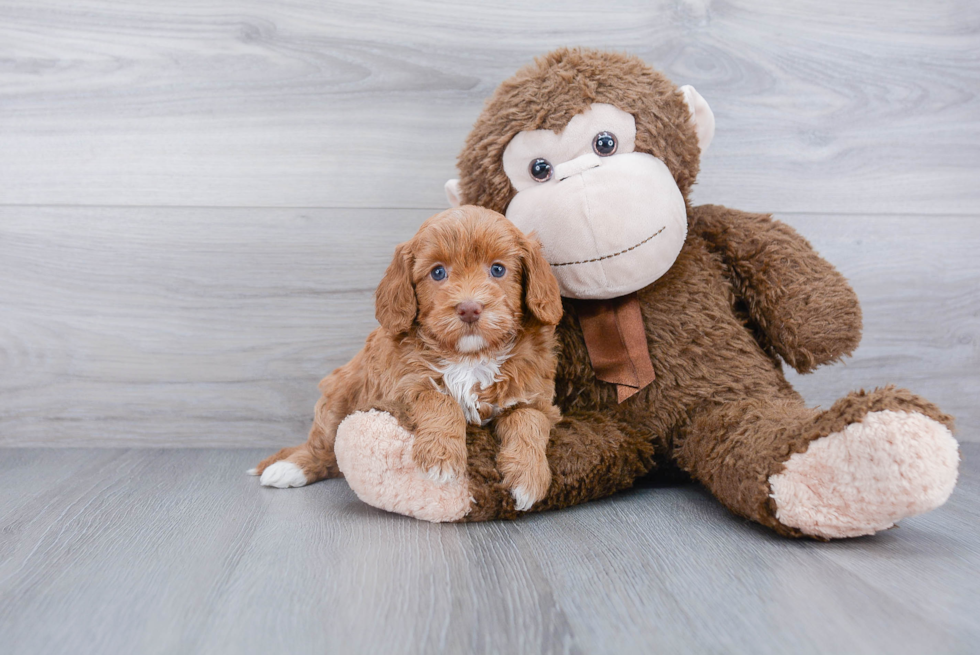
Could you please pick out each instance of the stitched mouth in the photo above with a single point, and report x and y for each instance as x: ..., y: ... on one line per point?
x: 615, y: 254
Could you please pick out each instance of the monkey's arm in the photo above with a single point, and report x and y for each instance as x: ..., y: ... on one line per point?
x: 804, y: 308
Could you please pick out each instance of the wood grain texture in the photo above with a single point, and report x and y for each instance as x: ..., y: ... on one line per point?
x: 178, y: 551
x: 205, y: 327
x: 920, y: 293
x: 184, y: 326
x: 822, y: 105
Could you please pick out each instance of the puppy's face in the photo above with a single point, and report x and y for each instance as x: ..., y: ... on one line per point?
x: 468, y: 284
x: 472, y: 280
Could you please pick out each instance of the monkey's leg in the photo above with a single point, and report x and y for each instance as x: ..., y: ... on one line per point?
x: 590, y: 456
x: 298, y: 466
x: 375, y: 453
x: 854, y: 469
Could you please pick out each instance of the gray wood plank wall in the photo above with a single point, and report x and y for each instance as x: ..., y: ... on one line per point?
x: 197, y: 198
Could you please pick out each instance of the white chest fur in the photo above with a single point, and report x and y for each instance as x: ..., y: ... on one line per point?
x: 463, y: 379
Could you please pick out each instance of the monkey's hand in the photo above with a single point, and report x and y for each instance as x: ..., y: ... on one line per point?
x: 804, y: 309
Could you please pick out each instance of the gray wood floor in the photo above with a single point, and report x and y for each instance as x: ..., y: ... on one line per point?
x: 178, y: 551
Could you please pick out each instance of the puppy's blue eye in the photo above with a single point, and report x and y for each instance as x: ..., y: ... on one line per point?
x: 497, y: 270
x: 438, y: 273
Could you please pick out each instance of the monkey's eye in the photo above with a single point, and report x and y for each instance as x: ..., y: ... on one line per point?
x: 497, y: 270
x: 540, y: 170
x: 604, y: 144
x: 439, y: 273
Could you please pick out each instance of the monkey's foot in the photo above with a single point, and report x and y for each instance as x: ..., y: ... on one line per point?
x: 374, y: 453
x: 868, y: 476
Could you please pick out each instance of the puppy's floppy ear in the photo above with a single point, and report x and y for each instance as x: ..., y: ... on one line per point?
x: 541, y: 294
x: 395, y: 304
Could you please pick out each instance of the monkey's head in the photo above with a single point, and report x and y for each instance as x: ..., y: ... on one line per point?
x: 596, y: 152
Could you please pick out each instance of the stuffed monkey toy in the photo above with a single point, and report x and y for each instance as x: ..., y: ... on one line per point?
x: 677, y: 322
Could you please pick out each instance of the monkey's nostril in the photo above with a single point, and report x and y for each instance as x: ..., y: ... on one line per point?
x: 469, y: 311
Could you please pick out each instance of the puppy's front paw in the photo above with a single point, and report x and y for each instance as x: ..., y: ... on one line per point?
x: 527, y: 476
x: 442, y: 460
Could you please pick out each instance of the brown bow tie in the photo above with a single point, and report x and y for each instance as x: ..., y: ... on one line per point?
x: 617, y: 342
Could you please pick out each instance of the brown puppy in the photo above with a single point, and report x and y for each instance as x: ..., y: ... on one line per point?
x: 467, y: 311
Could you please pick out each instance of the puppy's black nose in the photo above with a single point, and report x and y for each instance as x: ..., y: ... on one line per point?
x: 469, y: 311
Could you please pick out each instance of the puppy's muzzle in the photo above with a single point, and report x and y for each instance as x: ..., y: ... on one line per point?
x: 469, y: 311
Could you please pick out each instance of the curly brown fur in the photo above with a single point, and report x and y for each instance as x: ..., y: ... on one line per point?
x: 719, y: 407
x: 407, y: 365
x: 591, y: 456
x: 744, y: 294
x: 806, y: 312
x: 556, y: 87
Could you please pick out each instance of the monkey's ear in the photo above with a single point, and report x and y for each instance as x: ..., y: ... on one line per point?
x: 541, y: 293
x: 701, y: 115
x: 395, y: 304
x: 452, y: 193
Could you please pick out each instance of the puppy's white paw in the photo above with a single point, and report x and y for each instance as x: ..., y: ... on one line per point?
x: 523, y: 499
x: 283, y: 475
x: 441, y: 475
x: 527, y: 478
x: 252, y: 472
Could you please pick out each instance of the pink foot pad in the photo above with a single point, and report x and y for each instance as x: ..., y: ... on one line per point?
x: 375, y: 455
x: 868, y: 476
